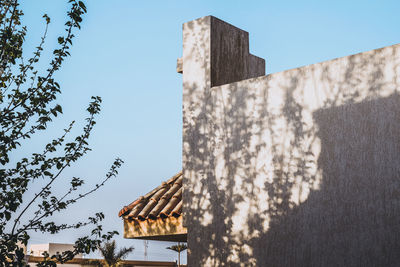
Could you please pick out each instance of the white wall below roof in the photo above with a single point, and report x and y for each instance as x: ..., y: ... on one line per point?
x: 38, y: 249
x: 57, y: 247
x: 51, y: 248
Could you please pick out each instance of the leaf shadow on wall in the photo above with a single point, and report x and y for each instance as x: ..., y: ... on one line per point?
x: 352, y: 219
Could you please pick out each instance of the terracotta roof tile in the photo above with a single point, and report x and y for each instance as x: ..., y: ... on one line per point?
x: 163, y: 201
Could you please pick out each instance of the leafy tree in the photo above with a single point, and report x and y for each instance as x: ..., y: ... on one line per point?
x: 27, y: 106
x: 111, y: 256
x: 178, y: 248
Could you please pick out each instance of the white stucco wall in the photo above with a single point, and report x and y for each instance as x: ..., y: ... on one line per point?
x: 297, y: 168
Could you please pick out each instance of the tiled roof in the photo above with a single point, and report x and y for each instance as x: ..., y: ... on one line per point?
x: 163, y: 201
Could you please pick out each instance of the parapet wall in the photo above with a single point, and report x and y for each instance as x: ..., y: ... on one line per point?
x: 297, y: 168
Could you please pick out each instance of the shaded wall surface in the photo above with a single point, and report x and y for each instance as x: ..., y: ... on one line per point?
x: 297, y: 168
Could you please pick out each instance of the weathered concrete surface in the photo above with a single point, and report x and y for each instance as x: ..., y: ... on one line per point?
x: 219, y: 51
x: 297, y: 168
x: 230, y: 57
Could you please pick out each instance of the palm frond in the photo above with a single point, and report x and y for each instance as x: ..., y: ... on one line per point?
x: 110, y: 254
x: 178, y: 248
x: 123, y: 253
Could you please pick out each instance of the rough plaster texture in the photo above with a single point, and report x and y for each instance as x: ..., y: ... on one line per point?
x: 297, y: 168
x: 230, y: 47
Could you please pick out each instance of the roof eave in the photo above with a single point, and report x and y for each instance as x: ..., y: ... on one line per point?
x: 168, y: 229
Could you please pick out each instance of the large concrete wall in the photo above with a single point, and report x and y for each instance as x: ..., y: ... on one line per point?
x: 297, y: 168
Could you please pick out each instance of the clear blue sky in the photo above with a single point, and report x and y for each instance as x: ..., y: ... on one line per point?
x: 126, y: 52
